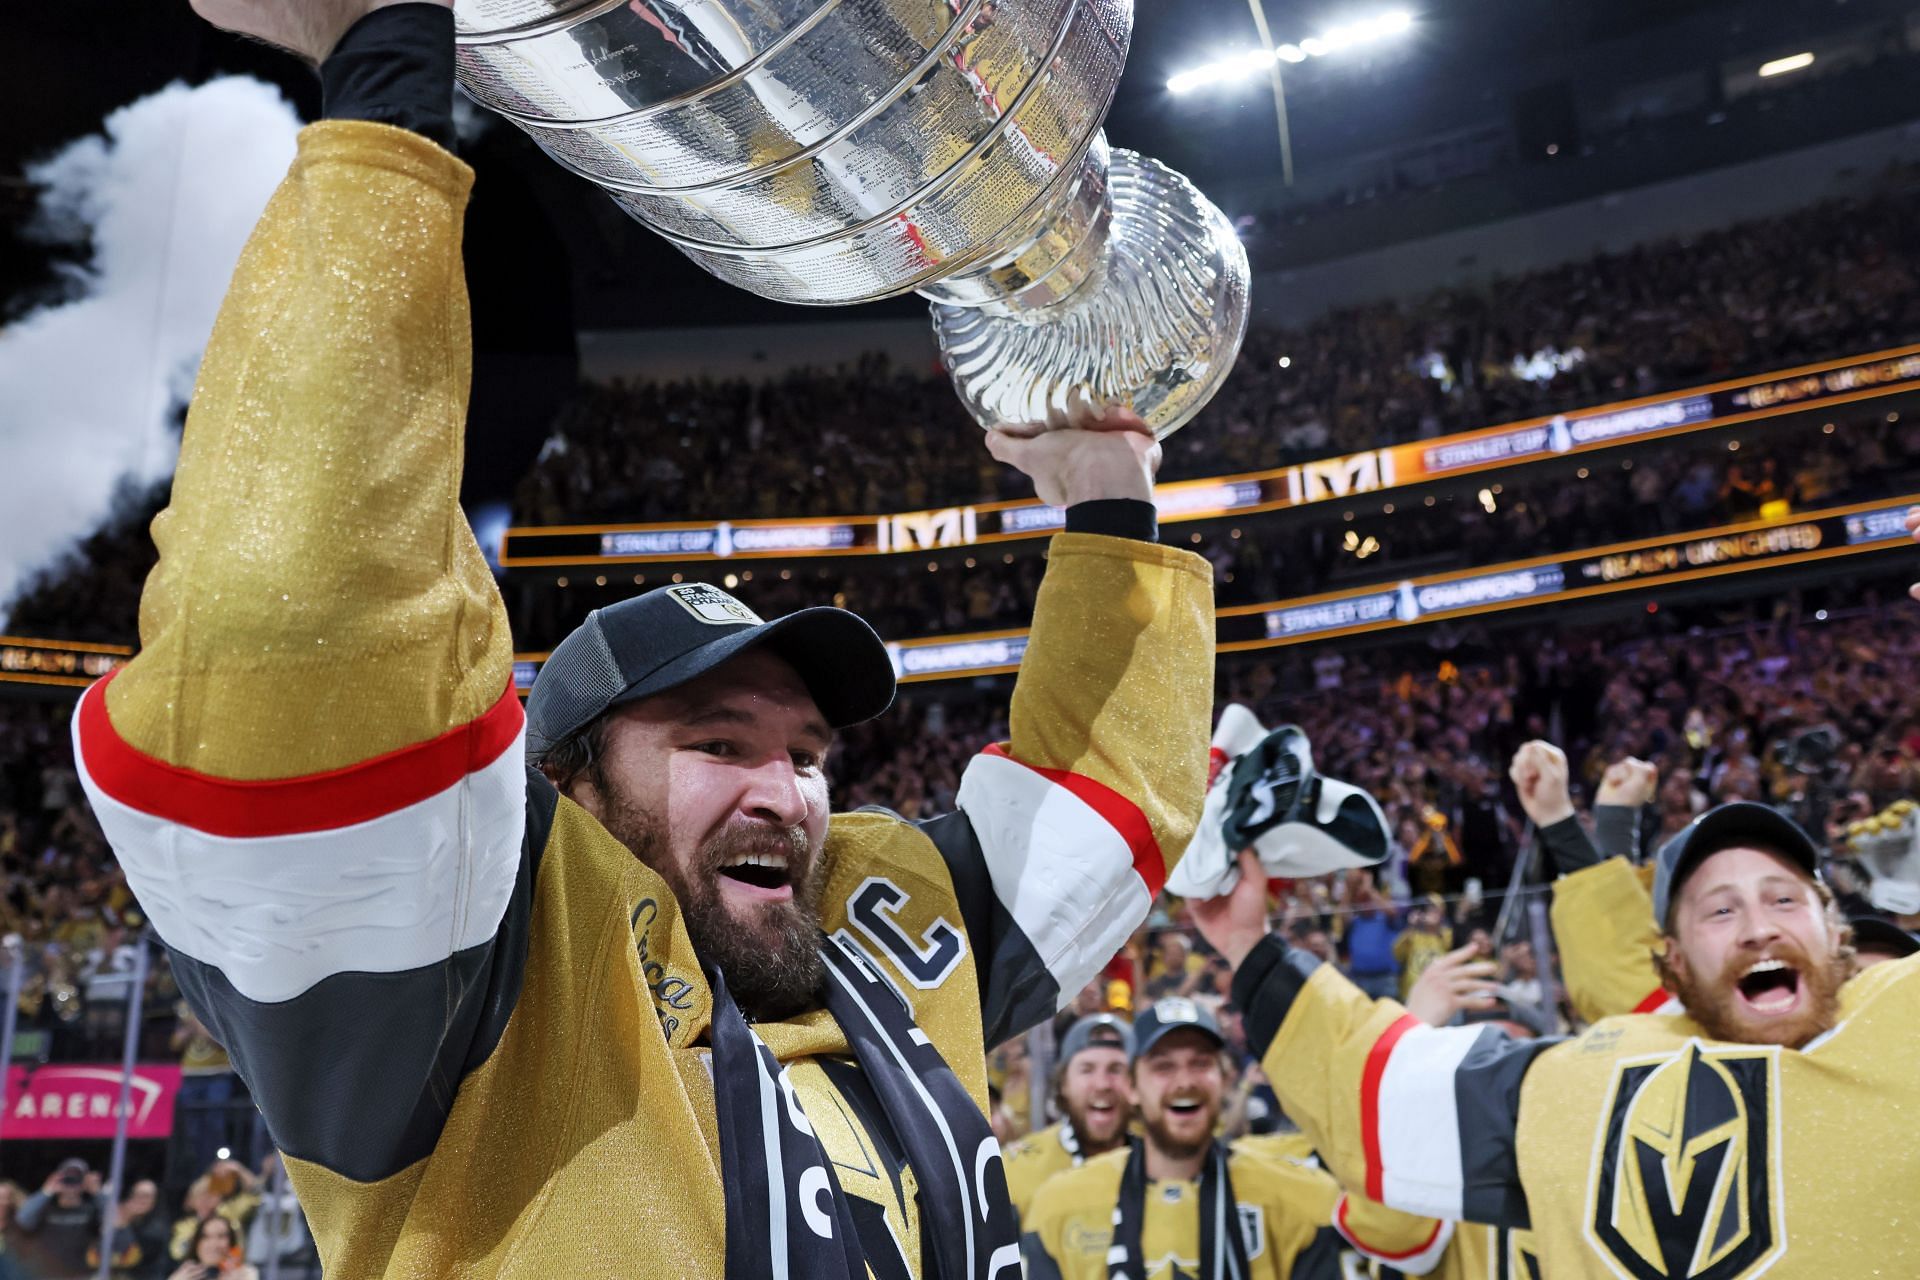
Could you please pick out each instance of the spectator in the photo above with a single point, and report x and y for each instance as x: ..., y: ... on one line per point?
x: 60, y: 1223
x: 1425, y: 939
x: 148, y: 1229
x: 1370, y: 940
x: 213, y: 1253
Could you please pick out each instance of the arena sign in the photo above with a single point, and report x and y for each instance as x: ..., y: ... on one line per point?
x: 1817, y: 535
x: 71, y: 1100
x: 1329, y: 479
x: 55, y: 662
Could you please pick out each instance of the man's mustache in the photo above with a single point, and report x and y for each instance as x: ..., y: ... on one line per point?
x: 732, y: 843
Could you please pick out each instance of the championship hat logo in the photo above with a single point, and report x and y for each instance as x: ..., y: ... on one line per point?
x: 712, y: 605
x: 1688, y: 1180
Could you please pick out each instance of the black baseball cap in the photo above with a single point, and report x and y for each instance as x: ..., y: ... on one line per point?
x: 1167, y: 1015
x: 668, y: 636
x: 1741, y: 824
x: 1877, y: 933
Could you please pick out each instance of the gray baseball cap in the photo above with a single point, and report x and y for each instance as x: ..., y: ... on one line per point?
x: 668, y: 636
x: 1742, y: 824
x: 1096, y: 1029
x: 1168, y: 1015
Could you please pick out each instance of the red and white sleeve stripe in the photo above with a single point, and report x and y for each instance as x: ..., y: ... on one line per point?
x: 1416, y: 1261
x: 384, y: 866
x: 1410, y: 1117
x: 1073, y: 862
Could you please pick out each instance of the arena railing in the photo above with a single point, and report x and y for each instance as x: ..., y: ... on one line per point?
x: 1669, y: 560
x: 1711, y: 407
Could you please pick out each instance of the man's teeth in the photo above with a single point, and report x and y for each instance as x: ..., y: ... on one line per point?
x: 1765, y: 966
x: 776, y: 861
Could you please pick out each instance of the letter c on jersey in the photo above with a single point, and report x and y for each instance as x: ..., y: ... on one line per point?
x: 926, y: 963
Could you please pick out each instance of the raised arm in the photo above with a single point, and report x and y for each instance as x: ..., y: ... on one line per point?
x: 1602, y: 909
x: 1418, y: 1118
x: 311, y: 773
x: 1066, y: 832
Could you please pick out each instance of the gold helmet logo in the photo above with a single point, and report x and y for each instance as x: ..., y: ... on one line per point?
x: 1688, y: 1186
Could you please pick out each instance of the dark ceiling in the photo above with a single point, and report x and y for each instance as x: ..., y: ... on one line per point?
x: 1466, y: 63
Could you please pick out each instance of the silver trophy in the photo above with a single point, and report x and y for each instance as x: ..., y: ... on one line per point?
x: 839, y: 151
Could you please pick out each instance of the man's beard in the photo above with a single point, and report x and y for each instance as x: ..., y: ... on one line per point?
x: 1714, y: 1002
x: 770, y: 959
x: 1180, y: 1147
x: 1085, y: 1128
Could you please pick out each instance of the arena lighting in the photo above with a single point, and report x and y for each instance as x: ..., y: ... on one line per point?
x: 1334, y: 39
x: 1781, y: 66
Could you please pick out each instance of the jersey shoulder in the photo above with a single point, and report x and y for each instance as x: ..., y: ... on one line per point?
x: 1094, y: 1185
x: 1892, y: 983
x: 1035, y: 1145
x: 1269, y: 1178
x: 1290, y: 1147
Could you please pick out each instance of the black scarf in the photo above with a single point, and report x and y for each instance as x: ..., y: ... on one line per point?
x: 787, y: 1218
x: 1219, y: 1220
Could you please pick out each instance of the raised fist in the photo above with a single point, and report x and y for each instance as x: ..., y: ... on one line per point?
x: 1539, y: 773
x: 1913, y: 527
x: 1629, y: 782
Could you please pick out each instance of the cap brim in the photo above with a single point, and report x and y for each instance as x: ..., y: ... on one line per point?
x: 1874, y: 934
x: 842, y: 661
x: 1741, y: 824
x: 1143, y: 1047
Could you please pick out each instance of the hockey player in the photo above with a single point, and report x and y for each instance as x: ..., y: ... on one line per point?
x: 1678, y: 1146
x: 1177, y: 1202
x: 1091, y: 1089
x: 650, y: 1012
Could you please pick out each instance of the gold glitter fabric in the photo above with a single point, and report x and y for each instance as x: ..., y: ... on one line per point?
x: 319, y: 598
x: 1603, y: 927
x: 320, y: 603
x: 1644, y: 1148
x: 1118, y: 672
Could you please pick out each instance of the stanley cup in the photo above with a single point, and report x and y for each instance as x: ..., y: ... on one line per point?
x: 839, y: 151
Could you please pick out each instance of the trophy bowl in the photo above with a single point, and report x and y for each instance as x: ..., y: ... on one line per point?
x: 829, y: 152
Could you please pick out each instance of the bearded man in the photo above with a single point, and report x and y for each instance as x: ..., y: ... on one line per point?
x: 1177, y: 1202
x: 1692, y: 1144
x: 647, y: 1008
x: 1090, y: 1088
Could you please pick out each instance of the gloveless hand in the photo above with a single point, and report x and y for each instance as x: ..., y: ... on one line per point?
x: 307, y: 28
x: 1097, y: 453
x: 1235, y: 922
x: 1628, y: 782
x: 1539, y: 773
x: 1458, y: 980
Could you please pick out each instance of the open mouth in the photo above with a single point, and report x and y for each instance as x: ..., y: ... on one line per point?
x: 1186, y: 1107
x: 1770, y: 988
x: 761, y: 876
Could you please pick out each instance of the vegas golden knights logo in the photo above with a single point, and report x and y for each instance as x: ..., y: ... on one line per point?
x: 1688, y: 1184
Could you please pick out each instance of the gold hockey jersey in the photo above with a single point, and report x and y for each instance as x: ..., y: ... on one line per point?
x: 472, y: 1019
x: 1640, y: 1148
x: 1294, y: 1221
x: 1033, y: 1160
x: 1603, y: 924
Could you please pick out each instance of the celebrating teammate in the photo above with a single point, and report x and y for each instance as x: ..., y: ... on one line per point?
x: 1178, y: 1202
x: 646, y: 1010
x: 1091, y: 1088
x: 1690, y: 1144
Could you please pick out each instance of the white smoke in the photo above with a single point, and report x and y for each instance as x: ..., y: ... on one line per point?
x: 90, y: 387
